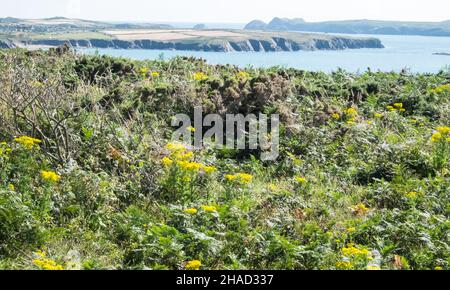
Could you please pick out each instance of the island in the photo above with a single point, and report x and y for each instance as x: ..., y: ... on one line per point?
x: 354, y: 27
x: 89, y: 34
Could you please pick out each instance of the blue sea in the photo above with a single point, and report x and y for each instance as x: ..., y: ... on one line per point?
x: 414, y: 53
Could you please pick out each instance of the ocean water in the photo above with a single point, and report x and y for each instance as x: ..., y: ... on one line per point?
x: 414, y: 53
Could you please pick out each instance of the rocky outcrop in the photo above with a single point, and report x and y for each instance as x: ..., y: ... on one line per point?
x: 257, y: 45
x: 256, y: 25
x: 6, y: 44
x: 200, y: 26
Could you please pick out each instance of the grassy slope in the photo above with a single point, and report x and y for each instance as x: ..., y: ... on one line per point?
x: 352, y: 189
x: 57, y: 36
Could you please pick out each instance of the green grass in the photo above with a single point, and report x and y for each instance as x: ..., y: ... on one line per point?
x: 58, y: 36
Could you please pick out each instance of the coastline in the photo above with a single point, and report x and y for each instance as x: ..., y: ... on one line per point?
x: 191, y: 40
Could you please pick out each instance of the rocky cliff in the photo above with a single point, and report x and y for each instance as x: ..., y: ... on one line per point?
x: 257, y: 45
x: 6, y: 44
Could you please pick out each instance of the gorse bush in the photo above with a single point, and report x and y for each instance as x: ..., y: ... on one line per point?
x: 89, y: 178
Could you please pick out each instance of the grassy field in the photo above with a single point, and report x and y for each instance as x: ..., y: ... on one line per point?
x: 26, y: 36
x: 89, y: 178
x: 211, y: 35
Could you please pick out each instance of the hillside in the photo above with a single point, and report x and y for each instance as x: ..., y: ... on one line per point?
x: 62, y: 24
x: 355, y: 27
x: 90, y: 177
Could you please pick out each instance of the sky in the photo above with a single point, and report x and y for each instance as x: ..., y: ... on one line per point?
x: 228, y: 11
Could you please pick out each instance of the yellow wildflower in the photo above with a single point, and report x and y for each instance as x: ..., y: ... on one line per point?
x: 351, y: 121
x: 11, y: 187
x: 243, y: 75
x: 45, y: 263
x: 209, y: 169
x: 300, y: 179
x: 390, y: 108
x: 436, y: 137
x: 444, y: 130
x: 167, y: 162
x: 176, y: 147
x: 378, y: 115
x: 155, y: 74
x: 239, y: 177
x: 351, y: 250
x: 41, y: 254
x: 438, y: 268
x: 448, y: 139
x: 144, y: 71
x: 441, y: 89
x: 50, y: 176
x: 352, y: 112
x: 182, y: 163
x: 191, y: 211
x: 27, y: 142
x: 244, y: 177
x: 184, y: 156
x: 369, y: 123
x: 48, y: 264
x: 336, y: 116
x: 4, y: 148
x: 191, y: 166
x: 411, y: 195
x: 209, y: 208
x: 398, y: 105
x: 193, y: 265
x: 351, y: 230
x: 373, y: 268
x: 230, y: 177
x: 200, y: 76
x: 344, y: 265
x: 360, y: 209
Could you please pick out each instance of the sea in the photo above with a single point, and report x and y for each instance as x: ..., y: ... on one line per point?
x: 413, y: 53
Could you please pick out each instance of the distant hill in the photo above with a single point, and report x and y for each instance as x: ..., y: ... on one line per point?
x: 62, y: 24
x: 9, y: 20
x: 200, y: 26
x: 355, y: 27
x: 256, y: 25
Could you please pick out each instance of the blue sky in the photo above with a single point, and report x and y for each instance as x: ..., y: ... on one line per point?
x: 239, y: 11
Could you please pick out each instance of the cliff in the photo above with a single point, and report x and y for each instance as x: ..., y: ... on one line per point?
x: 6, y: 44
x: 257, y: 45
